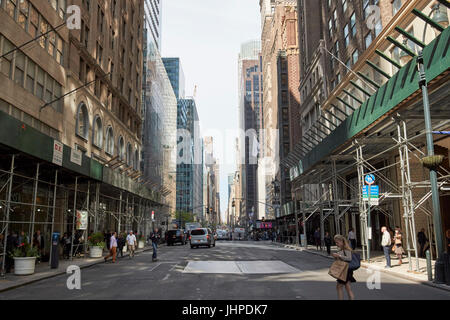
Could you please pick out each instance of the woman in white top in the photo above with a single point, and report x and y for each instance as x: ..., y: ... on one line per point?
x: 345, y: 254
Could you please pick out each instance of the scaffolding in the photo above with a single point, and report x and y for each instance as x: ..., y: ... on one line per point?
x: 35, y: 195
x: 332, y: 187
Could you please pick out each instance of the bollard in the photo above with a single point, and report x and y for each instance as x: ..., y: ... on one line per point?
x: 429, y: 269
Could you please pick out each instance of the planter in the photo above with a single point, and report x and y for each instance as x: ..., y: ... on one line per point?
x: 24, y: 266
x: 95, y: 252
x: 141, y: 244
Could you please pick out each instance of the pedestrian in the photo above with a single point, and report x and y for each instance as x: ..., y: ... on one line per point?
x: 22, y: 237
x: 38, y: 242
x: 66, y: 242
x: 107, y: 239
x: 131, y: 242
x: 352, y: 238
x: 154, y: 236
x: 422, y: 239
x: 398, y: 248
x: 345, y: 254
x: 317, y: 239
x: 327, y: 240
x: 120, y: 244
x: 112, y: 248
x: 386, y: 244
x: 11, y: 244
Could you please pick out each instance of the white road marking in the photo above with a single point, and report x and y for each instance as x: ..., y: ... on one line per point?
x: 166, y: 277
x: 240, y: 267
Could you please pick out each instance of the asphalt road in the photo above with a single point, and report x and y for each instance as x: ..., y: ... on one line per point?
x: 142, y: 279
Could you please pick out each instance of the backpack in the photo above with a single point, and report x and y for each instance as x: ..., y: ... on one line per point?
x: 356, y: 262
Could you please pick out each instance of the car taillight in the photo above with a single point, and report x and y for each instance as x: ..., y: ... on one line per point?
x: 190, y: 237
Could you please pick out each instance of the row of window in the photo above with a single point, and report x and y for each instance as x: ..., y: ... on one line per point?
x: 82, y: 129
x: 26, y: 73
x: 26, y: 15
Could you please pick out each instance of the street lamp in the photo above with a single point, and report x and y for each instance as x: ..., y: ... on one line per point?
x: 431, y: 161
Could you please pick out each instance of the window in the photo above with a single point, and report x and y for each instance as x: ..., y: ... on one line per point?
x: 121, y: 148
x: 31, y: 75
x: 82, y: 121
x: 11, y: 8
x: 355, y: 56
x: 129, y: 155
x: 346, y: 35
x: 368, y: 39
x: 136, y: 159
x: 7, y: 60
x: 336, y: 49
x: 110, y: 140
x: 353, y: 24
x: 40, y: 83
x: 396, y: 5
x: 344, y: 5
x: 97, y: 134
x: 330, y: 28
x: 20, y: 68
x: 23, y: 13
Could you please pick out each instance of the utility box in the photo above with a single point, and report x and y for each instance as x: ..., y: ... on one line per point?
x: 55, y: 250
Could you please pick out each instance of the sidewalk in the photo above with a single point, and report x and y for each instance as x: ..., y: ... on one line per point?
x: 43, y: 270
x: 378, y: 262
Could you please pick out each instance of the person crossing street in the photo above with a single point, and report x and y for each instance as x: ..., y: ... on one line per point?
x: 154, y: 236
x: 112, y: 248
x: 131, y: 242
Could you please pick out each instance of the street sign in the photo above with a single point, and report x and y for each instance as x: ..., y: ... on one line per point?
x: 370, y: 179
x: 373, y: 192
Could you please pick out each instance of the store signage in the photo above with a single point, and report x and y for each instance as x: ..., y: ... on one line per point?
x: 57, y: 153
x: 82, y: 220
x: 76, y: 157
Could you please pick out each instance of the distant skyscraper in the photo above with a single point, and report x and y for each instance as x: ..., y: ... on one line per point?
x: 153, y: 13
x: 176, y: 76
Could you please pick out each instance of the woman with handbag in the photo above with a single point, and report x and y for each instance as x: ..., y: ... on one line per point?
x: 397, y: 248
x: 344, y: 255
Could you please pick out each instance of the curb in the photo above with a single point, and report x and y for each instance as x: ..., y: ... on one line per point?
x: 63, y: 272
x: 367, y: 266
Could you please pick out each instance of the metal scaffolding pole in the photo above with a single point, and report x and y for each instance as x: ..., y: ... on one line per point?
x: 96, y: 203
x: 87, y: 228
x: 335, y: 196
x: 304, y: 216
x: 73, y: 218
x: 8, y: 208
x: 407, y: 198
x: 35, y: 187
x: 53, y: 213
x: 362, y: 204
x: 120, y: 211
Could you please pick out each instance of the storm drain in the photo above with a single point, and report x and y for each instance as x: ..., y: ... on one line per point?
x: 240, y: 267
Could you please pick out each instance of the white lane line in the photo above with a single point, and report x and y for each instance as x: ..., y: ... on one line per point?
x: 166, y: 277
x: 157, y: 265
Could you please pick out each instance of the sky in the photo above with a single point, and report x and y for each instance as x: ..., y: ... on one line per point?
x: 206, y: 35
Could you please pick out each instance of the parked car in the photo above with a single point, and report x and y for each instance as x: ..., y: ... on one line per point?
x: 223, y: 235
x: 176, y: 236
x: 202, y: 237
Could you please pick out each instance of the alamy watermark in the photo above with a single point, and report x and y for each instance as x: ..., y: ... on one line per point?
x: 373, y: 13
x: 373, y: 281
x: 74, y: 280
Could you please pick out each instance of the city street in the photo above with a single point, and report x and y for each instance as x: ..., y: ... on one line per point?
x: 181, y: 274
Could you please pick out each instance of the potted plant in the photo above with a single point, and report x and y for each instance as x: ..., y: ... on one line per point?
x: 96, y: 245
x: 24, y: 258
x: 141, y: 241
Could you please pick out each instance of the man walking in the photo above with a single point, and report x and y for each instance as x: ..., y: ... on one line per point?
x: 131, y: 241
x: 112, y: 248
x: 352, y: 238
x: 386, y: 244
x: 154, y: 236
x: 317, y: 239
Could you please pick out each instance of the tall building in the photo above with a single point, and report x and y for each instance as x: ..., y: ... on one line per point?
x: 190, y: 159
x: 159, y: 130
x: 356, y: 73
x: 280, y: 59
x: 153, y: 11
x: 85, y: 147
x: 176, y: 76
x: 212, y: 175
